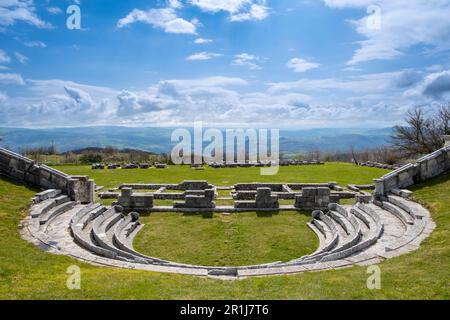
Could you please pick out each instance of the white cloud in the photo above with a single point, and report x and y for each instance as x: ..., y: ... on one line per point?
x: 4, y: 58
x: 301, y: 65
x: 21, y: 58
x: 35, y: 44
x: 367, y: 83
x: 176, y: 4
x: 202, y: 41
x: 403, y: 24
x: 224, y: 101
x: 435, y: 86
x: 165, y: 18
x: 11, y: 78
x: 13, y: 11
x: 201, y: 56
x: 247, y: 60
x: 54, y: 10
x: 239, y: 10
x: 347, y: 3
x: 3, y: 97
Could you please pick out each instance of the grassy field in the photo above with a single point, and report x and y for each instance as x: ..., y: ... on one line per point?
x: 241, y: 239
x: 342, y: 173
x: 26, y: 272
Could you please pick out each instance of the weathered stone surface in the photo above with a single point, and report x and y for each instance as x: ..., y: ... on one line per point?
x: 425, y: 168
x: 314, y: 198
x: 135, y: 201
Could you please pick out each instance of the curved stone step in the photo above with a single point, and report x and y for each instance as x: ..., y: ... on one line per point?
x: 42, y: 207
x: 341, y: 221
x: 102, y: 232
x: 45, y: 195
x: 81, y: 214
x: 55, y: 211
x: 329, y: 229
x: 411, y: 234
x: 82, y: 233
x: 412, y: 208
x: 122, y: 239
x: 399, y: 212
x: 344, y: 247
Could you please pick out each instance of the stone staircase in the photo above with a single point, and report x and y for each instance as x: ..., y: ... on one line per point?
x: 364, y: 233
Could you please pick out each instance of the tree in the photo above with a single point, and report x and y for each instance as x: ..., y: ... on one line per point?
x: 422, y: 134
x: 91, y: 158
x: 444, y: 119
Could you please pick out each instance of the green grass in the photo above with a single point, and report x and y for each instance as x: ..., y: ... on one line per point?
x: 217, y: 240
x: 26, y: 272
x: 342, y: 173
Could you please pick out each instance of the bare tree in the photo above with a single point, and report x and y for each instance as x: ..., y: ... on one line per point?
x: 421, y: 135
x: 444, y: 119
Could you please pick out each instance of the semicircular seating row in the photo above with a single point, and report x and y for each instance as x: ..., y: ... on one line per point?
x: 358, y: 234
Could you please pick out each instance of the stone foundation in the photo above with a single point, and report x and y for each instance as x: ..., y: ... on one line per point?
x: 135, y: 201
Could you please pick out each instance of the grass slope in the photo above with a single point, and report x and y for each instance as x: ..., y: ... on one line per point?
x: 29, y: 273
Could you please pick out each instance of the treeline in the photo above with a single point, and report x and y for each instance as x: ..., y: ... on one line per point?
x: 49, y: 154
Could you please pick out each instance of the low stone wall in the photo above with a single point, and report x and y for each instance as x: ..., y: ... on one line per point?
x: 135, y: 201
x: 315, y: 198
x: 22, y: 169
x: 425, y: 168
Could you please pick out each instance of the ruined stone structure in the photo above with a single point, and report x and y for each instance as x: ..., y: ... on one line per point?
x: 315, y: 198
x: 262, y: 164
x: 135, y: 201
x: 423, y: 169
x: 372, y: 164
x: 17, y: 167
x: 200, y: 195
x: 263, y: 200
x: 64, y: 219
x: 201, y: 199
x: 360, y: 234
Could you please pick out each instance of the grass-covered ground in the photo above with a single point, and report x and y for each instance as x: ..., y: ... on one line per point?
x: 241, y: 239
x: 26, y: 272
x: 342, y: 173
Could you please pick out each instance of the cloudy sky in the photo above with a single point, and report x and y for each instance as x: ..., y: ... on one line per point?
x: 271, y: 63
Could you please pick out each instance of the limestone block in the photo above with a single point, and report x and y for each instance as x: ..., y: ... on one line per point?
x: 323, y: 191
x: 309, y: 192
x: 126, y: 192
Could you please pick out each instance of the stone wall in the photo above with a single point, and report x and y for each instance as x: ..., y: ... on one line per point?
x: 22, y: 169
x: 129, y: 200
x: 425, y: 168
x: 313, y: 198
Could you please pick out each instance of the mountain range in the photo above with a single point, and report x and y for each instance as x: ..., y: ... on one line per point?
x: 158, y: 140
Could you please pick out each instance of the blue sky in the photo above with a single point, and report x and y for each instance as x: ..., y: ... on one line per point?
x: 272, y: 63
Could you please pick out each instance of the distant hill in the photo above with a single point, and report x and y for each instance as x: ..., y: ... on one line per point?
x: 158, y: 140
x: 103, y: 150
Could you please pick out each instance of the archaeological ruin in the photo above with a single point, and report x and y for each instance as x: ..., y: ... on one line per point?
x: 383, y: 222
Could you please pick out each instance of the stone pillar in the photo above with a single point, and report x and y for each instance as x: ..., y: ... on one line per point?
x: 446, y: 140
x: 81, y: 189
